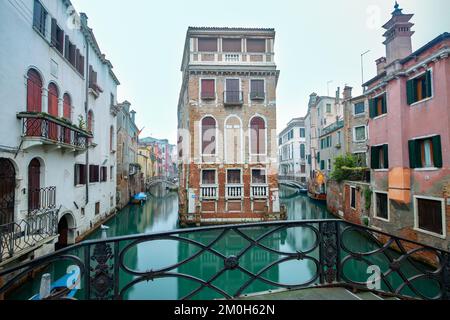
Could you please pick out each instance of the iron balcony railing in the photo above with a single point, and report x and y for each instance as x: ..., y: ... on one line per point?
x: 255, y: 95
x: 333, y: 256
x: 18, y: 236
x: 53, y: 130
x: 233, y: 98
x: 41, y: 199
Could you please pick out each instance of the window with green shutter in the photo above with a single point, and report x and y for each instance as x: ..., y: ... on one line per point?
x: 425, y: 153
x: 378, y: 106
x: 322, y: 165
x: 419, y: 88
x: 379, y: 157
x: 318, y: 157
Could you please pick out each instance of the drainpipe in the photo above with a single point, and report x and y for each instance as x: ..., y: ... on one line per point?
x: 86, y: 109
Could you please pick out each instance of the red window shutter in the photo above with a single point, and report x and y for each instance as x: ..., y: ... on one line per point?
x: 208, y: 88
x: 256, y: 45
x: 52, y: 99
x: 67, y: 106
x: 34, y: 91
x: 258, y: 135
x: 54, y: 32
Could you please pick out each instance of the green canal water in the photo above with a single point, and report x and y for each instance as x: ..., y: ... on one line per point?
x: 161, y: 214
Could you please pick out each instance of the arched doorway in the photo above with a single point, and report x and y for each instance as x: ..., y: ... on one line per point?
x: 7, y: 191
x: 63, y: 231
x: 34, y: 185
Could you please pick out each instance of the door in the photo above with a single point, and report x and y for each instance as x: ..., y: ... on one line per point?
x: 34, y: 185
x: 232, y: 91
x: 7, y: 191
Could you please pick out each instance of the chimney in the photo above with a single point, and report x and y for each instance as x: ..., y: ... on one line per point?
x: 398, y: 35
x: 312, y: 99
x: 381, y: 64
x: 133, y: 116
x: 347, y: 92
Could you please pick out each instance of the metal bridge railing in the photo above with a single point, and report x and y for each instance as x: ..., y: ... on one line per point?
x: 333, y: 251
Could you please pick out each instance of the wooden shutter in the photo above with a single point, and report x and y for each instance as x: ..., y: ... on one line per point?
x: 375, y: 158
x: 428, y: 84
x: 437, y: 151
x: 54, y: 32
x: 66, y: 48
x: 410, y: 91
x: 414, y: 154
x: 318, y: 157
x: 75, y: 174
x: 37, y: 15
x: 386, y: 156
x: 384, y: 103
x: 372, y: 110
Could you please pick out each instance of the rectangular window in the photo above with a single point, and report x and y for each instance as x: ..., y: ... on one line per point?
x: 256, y: 45
x: 378, y: 106
x: 97, y: 208
x: 94, y: 173
x: 329, y: 164
x: 39, y: 17
x: 322, y: 165
x: 302, y: 168
x: 379, y: 157
x: 231, y: 45
x: 302, y: 151
x: 425, y: 153
x: 111, y: 171
x: 208, y: 176
x: 328, y: 108
x: 82, y: 212
x: 302, y: 132
x: 381, y: 205
x: 234, y: 176
x: 360, y: 159
x: 259, y: 176
x: 208, y: 88
x: 419, y: 88
x: 429, y: 215
x: 207, y: 44
x: 353, y: 197
x: 80, y: 174
x: 359, y: 108
x: 257, y: 91
x: 359, y: 134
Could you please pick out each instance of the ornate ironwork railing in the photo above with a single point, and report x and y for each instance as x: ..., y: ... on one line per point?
x: 41, y: 199
x: 40, y: 125
x: 332, y: 255
x: 18, y: 236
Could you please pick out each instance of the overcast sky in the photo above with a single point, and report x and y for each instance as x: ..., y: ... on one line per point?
x: 316, y: 42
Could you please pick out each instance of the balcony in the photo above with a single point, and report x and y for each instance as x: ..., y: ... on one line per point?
x: 244, y: 58
x: 41, y: 199
x: 208, y: 192
x: 261, y: 96
x: 233, y: 98
x: 234, y: 191
x: 259, y: 191
x: 44, y: 129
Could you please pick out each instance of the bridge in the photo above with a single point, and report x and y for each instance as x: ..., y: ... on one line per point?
x: 402, y: 268
x: 293, y: 182
x: 172, y: 182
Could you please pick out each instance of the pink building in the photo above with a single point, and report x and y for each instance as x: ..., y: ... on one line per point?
x: 409, y: 137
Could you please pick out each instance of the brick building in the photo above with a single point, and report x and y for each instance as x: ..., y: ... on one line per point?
x: 227, y: 127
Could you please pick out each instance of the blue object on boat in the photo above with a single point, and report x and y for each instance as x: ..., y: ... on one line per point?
x: 62, y: 283
x: 140, y: 197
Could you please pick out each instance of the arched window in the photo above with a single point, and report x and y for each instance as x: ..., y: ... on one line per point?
x: 53, y: 96
x: 34, y: 91
x: 258, y: 136
x: 7, y: 191
x: 67, y: 106
x: 208, y: 136
x: 233, y: 141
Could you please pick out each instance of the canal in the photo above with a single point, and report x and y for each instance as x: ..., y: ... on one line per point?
x: 161, y: 214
